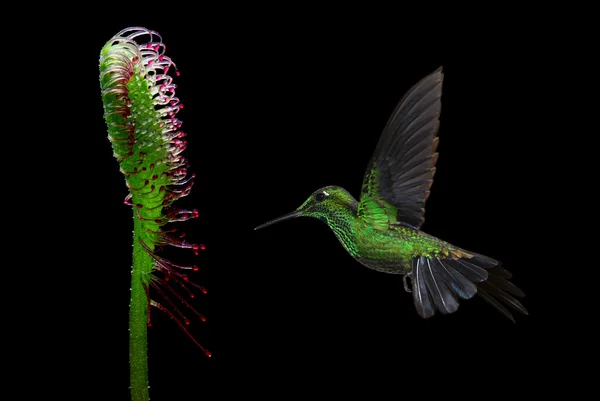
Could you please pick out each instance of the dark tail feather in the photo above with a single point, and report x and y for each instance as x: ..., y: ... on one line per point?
x: 437, y: 283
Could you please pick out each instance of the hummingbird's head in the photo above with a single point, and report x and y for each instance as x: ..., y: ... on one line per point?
x: 322, y: 204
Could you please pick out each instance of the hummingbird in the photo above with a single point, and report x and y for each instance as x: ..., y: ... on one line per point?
x: 382, y: 230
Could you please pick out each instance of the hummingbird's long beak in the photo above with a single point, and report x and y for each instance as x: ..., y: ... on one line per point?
x: 288, y: 216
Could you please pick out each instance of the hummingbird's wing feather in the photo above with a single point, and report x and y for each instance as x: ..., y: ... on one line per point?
x: 439, y: 282
x: 400, y: 173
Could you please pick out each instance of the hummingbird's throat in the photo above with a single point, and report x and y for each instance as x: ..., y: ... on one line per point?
x: 343, y: 225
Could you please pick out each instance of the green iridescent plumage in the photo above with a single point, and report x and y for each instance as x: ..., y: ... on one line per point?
x: 382, y: 229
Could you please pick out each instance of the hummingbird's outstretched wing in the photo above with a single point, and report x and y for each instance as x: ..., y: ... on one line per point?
x: 400, y: 173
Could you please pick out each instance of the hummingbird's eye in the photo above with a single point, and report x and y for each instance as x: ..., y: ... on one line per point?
x: 319, y: 197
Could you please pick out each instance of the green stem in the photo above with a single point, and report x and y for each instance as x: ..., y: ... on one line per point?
x: 138, y: 317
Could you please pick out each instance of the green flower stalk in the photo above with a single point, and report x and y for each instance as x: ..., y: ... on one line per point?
x: 140, y: 109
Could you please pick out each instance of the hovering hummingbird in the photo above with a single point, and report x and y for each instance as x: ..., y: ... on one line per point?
x: 382, y: 229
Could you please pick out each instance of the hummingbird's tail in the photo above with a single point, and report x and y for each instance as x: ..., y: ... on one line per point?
x: 437, y: 283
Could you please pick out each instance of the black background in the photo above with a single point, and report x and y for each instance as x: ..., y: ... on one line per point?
x: 273, y: 111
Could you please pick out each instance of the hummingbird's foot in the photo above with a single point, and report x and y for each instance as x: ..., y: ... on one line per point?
x: 406, y: 287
